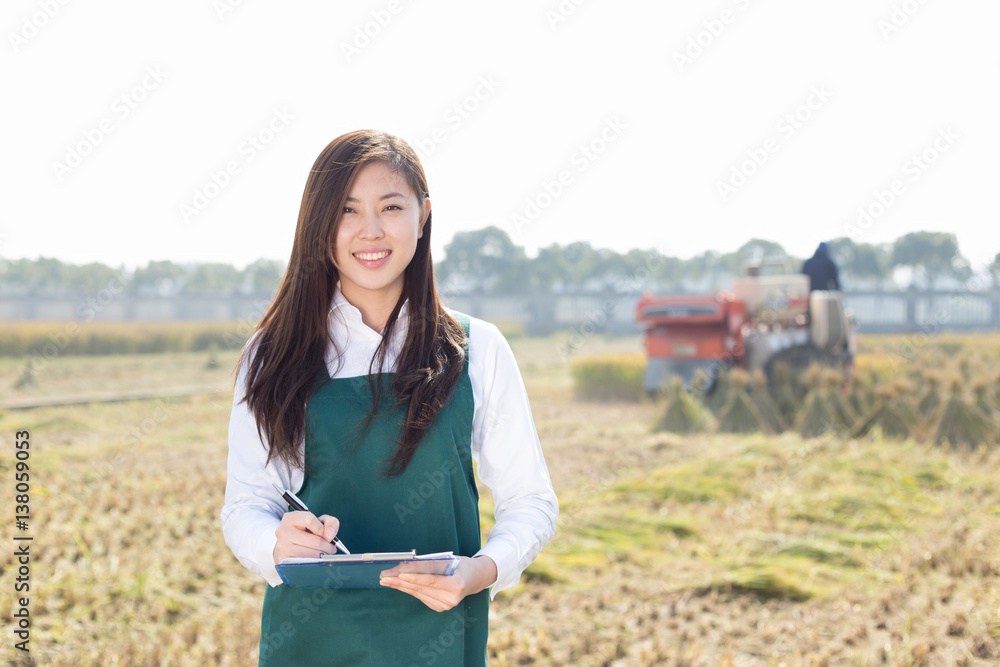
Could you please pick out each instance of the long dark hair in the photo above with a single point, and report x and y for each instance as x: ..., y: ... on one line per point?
x: 292, y: 336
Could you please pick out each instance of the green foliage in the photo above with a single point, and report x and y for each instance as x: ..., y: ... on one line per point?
x: 158, y: 278
x: 263, y: 276
x: 753, y: 251
x: 53, y: 277
x: 48, y: 276
x: 483, y: 260
x: 932, y: 254
x: 616, y: 377
x: 214, y: 279
x: 488, y: 261
x: 863, y: 261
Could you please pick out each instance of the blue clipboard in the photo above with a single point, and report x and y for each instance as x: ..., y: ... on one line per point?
x: 361, y: 570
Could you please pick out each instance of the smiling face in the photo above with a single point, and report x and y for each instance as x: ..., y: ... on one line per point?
x: 376, y: 237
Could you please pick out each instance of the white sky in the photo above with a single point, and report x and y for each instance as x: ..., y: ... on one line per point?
x: 676, y: 132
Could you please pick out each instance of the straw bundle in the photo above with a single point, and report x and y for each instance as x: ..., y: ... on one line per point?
x: 699, y: 385
x: 740, y: 415
x: 721, y: 394
x: 932, y: 397
x: 815, y: 419
x: 985, y: 402
x: 843, y: 415
x: 683, y: 413
x: 893, y: 415
x: 787, y: 396
x: 960, y: 423
x: 766, y: 405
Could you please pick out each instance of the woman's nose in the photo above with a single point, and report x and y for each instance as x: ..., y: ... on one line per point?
x: 371, y: 227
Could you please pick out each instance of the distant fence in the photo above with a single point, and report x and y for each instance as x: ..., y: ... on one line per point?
x: 539, y: 314
x: 928, y: 311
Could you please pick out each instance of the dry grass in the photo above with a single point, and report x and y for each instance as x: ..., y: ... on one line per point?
x: 612, y: 377
x: 45, y: 340
x: 694, y: 550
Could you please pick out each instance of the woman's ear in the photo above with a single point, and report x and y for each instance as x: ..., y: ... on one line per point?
x: 425, y: 213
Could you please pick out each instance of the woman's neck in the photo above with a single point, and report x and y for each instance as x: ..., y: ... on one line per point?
x: 375, y: 307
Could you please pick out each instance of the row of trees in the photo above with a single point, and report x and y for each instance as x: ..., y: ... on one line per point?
x: 487, y: 261
x: 47, y: 276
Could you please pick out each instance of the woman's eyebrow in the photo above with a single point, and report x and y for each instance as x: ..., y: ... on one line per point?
x: 388, y: 195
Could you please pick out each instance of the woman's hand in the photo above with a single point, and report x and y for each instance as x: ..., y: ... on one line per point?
x: 302, y: 535
x: 440, y: 592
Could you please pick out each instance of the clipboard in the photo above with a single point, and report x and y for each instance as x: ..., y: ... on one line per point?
x: 361, y: 570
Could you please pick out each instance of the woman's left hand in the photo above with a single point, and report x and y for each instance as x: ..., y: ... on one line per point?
x: 442, y: 593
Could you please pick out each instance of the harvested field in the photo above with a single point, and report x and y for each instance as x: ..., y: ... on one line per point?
x: 701, y: 549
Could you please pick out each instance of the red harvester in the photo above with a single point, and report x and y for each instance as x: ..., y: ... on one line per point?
x: 764, y: 320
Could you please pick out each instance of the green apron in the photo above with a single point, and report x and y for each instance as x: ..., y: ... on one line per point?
x: 433, y: 506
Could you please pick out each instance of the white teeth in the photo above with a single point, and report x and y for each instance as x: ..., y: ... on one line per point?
x: 371, y: 256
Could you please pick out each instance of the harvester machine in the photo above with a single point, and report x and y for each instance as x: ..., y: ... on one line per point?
x: 763, y: 321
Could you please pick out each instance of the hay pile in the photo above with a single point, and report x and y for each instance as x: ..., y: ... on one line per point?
x: 893, y: 414
x: 720, y: 395
x: 832, y: 382
x: 961, y: 423
x: 683, y: 413
x: 769, y: 410
x: 863, y: 395
x: 787, y: 394
x: 940, y: 394
x: 815, y: 418
x: 740, y: 415
x: 931, y: 399
x: 985, y: 402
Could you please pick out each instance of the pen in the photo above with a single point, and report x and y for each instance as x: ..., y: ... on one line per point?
x: 297, y: 504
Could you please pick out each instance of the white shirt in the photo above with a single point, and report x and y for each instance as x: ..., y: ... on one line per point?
x: 504, y: 445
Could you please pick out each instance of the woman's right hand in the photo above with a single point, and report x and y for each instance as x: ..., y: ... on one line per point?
x: 302, y: 535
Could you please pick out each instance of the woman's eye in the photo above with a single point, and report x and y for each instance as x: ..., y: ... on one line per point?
x: 391, y: 207
x: 348, y: 209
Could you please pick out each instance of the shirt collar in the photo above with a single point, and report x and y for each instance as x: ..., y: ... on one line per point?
x: 339, y: 303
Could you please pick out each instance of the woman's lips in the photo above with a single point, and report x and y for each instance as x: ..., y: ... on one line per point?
x: 372, y: 259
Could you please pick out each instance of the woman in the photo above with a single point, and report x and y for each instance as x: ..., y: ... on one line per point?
x: 360, y: 392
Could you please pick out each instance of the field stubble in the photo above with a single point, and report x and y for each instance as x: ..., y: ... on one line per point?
x: 696, y: 550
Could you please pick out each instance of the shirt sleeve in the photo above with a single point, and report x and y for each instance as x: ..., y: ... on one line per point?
x: 253, y: 509
x: 505, y: 445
